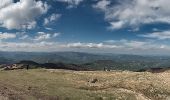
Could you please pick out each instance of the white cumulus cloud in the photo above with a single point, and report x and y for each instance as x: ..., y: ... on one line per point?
x: 51, y: 18
x: 5, y: 3
x: 133, y: 13
x: 71, y: 3
x: 22, y: 14
x: 45, y: 36
x: 163, y: 35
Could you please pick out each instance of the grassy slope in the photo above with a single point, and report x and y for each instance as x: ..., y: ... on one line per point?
x: 71, y: 85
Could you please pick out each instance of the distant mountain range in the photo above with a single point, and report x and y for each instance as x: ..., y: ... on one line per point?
x: 88, y: 60
x: 54, y: 57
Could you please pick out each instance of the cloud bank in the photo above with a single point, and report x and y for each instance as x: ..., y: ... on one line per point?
x: 7, y: 35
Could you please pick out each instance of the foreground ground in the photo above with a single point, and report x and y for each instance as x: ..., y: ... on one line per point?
x: 41, y: 84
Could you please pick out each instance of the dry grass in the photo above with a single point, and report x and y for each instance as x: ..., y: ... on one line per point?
x: 75, y: 85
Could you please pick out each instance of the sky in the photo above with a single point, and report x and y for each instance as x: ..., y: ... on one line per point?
x: 97, y: 26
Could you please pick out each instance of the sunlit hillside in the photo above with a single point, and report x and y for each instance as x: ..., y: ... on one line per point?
x: 43, y: 84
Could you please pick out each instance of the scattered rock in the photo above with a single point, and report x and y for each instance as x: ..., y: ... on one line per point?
x: 29, y: 88
x: 5, y: 88
x: 94, y: 80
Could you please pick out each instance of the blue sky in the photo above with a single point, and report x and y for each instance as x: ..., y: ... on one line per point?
x: 100, y: 26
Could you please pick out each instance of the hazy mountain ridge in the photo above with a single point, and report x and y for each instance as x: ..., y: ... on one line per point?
x: 53, y: 57
x: 88, y: 60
